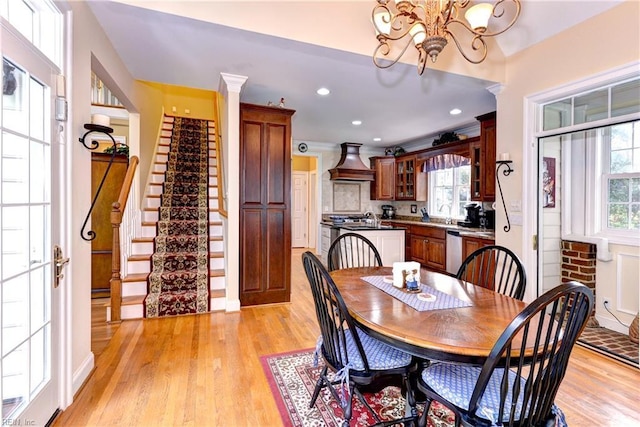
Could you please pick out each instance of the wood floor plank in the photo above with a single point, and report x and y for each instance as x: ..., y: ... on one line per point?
x: 204, y: 370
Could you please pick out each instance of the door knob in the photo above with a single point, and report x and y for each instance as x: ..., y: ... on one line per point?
x: 59, y: 262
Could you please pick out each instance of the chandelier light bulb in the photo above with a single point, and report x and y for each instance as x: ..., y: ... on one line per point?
x: 418, y: 33
x: 478, y: 16
x: 382, y: 23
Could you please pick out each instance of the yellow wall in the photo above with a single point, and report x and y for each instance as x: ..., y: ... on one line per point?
x: 303, y: 163
x: 187, y: 102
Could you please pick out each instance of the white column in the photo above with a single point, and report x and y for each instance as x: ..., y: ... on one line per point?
x: 230, y: 86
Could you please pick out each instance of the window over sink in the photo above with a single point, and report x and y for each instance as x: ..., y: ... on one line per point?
x: 449, y: 192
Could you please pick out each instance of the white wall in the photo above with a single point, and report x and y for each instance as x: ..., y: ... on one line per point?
x: 91, y: 49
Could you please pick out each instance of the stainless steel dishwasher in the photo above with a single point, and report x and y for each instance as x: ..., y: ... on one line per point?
x: 454, y: 251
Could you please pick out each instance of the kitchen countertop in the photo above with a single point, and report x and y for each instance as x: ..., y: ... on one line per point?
x: 400, y: 224
x: 361, y: 226
x: 464, y: 231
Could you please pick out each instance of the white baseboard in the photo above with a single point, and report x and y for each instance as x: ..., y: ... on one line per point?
x: 233, y: 305
x: 612, y: 324
x: 83, y: 372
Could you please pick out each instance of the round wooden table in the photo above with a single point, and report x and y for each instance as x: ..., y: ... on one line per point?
x: 463, y: 335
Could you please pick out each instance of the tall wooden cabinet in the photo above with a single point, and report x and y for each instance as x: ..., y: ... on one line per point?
x: 483, y: 160
x: 102, y: 245
x: 265, y: 204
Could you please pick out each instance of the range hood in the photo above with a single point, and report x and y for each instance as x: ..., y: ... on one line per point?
x: 350, y: 166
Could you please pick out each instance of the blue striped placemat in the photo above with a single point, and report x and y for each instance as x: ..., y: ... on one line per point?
x: 442, y: 301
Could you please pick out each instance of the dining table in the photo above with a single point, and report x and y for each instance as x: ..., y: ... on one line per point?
x: 452, y: 321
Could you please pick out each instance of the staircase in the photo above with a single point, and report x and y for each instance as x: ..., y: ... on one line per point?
x: 134, y: 283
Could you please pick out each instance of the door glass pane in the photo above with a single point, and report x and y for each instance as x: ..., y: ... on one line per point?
x: 15, y: 380
x: 557, y: 114
x: 39, y: 347
x: 625, y: 98
x: 15, y: 169
x: 36, y: 109
x: 14, y: 98
x: 591, y: 107
x: 15, y: 240
x: 15, y: 319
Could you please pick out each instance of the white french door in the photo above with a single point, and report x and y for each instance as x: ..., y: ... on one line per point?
x: 30, y: 203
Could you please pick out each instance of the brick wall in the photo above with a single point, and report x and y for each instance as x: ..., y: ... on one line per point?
x: 579, y: 264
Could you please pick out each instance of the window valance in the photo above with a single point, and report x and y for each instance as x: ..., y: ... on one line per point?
x: 444, y: 161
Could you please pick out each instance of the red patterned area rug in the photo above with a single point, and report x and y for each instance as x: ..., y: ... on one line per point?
x: 179, y: 278
x: 292, y: 378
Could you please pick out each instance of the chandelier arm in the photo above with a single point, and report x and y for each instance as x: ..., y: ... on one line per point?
x: 384, y: 49
x: 477, y: 44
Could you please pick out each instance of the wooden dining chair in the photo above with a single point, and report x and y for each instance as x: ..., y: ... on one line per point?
x: 351, y: 250
x: 524, y: 394
x: 355, y: 358
x: 497, y: 268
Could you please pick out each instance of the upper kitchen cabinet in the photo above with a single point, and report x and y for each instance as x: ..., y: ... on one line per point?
x: 410, y: 182
x: 483, y: 160
x: 265, y: 204
x: 383, y: 185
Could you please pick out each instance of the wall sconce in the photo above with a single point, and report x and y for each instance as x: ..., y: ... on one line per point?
x: 504, y: 163
x: 100, y: 124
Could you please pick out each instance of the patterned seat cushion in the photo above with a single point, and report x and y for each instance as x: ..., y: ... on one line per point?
x: 456, y: 383
x: 379, y: 354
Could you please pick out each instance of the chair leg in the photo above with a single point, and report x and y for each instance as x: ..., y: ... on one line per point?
x: 411, y: 397
x: 422, y: 421
x: 319, y: 386
x: 347, y: 406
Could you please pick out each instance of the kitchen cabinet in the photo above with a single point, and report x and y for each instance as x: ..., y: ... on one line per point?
x: 390, y: 243
x: 383, y: 185
x: 483, y: 160
x: 265, y: 204
x: 470, y: 244
x: 428, y: 246
x: 410, y: 182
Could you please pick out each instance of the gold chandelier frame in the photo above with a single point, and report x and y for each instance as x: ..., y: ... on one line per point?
x: 429, y: 25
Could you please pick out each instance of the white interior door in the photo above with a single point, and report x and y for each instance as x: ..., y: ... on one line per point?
x: 299, y: 220
x: 29, y: 202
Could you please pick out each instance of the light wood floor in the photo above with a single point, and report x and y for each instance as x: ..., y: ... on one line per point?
x: 205, y: 370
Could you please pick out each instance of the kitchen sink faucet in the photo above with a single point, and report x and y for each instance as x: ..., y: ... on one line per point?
x: 448, y: 206
x: 376, y: 221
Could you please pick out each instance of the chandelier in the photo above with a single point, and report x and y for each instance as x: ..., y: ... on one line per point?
x: 429, y: 25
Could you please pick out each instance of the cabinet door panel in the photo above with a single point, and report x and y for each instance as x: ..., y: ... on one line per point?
x: 278, y: 272
x: 251, y: 166
x: 251, y: 243
x: 276, y: 178
x: 436, y: 254
x: 418, y: 249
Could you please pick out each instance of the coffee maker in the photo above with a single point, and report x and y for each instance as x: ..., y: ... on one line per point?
x: 473, y: 216
x: 388, y: 212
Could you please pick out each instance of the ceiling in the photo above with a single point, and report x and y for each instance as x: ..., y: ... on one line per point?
x: 395, y: 104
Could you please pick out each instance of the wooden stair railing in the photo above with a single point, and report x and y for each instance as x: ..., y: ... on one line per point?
x: 117, y: 212
x: 222, y: 207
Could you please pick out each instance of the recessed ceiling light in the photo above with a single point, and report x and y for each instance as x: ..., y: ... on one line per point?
x: 377, y: 139
x: 455, y: 111
x: 323, y: 91
x: 356, y: 122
